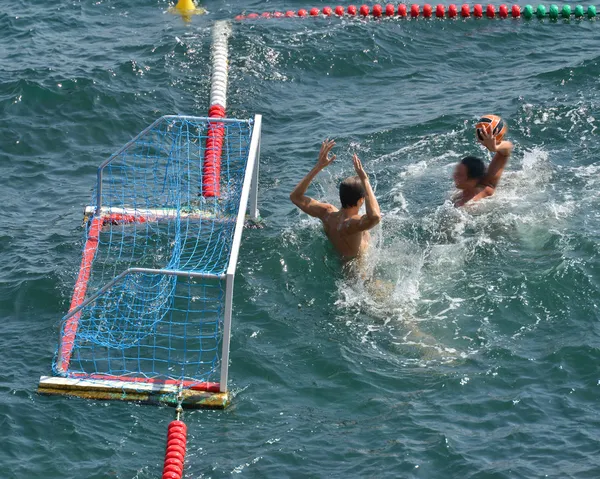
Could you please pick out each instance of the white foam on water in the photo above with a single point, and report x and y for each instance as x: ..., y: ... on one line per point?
x: 413, y: 298
x: 416, y: 253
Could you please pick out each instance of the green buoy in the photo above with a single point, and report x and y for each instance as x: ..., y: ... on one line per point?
x: 528, y: 12
x: 553, y: 12
x: 541, y: 11
x: 566, y: 11
x: 591, y: 11
x: 578, y: 11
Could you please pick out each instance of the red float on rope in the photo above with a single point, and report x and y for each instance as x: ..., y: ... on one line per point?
x: 351, y: 10
x: 175, y: 453
x: 211, y: 170
x: 71, y: 325
x: 478, y: 11
x: 490, y: 11
x: 364, y: 10
x: 327, y: 11
x: 314, y: 12
x: 427, y: 10
x: 464, y: 11
x: 377, y: 10
x: 339, y: 10
x: 452, y: 11
x: 302, y: 12
x: 503, y: 11
x: 290, y: 14
x: 390, y: 10
x: 516, y: 11
x: 439, y: 11
x: 402, y: 10
x: 414, y: 10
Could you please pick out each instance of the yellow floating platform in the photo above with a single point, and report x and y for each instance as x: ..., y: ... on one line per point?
x: 146, y: 393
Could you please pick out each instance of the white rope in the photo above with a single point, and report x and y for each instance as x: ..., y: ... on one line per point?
x: 218, y: 89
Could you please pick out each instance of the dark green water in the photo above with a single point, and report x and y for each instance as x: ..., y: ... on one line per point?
x: 482, y: 359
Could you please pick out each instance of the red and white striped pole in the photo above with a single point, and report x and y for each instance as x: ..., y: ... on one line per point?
x: 211, y: 171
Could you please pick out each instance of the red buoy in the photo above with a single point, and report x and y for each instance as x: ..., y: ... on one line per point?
x: 327, y: 11
x: 390, y: 10
x: 452, y: 11
x: 252, y: 16
x: 266, y: 15
x: 427, y: 10
x: 364, y: 10
x: 302, y: 12
x: 490, y: 11
x: 290, y: 13
x: 516, y: 11
x: 478, y: 11
x: 503, y: 11
x: 402, y: 10
x: 464, y: 11
x: 339, y: 10
x: 217, y: 111
x: 414, y: 10
x: 314, y: 12
x: 351, y: 10
x: 239, y: 17
x: 439, y: 11
x: 377, y: 10
x: 277, y: 15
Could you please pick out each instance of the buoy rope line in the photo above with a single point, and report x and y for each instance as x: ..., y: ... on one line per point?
x: 176, y: 443
x: 428, y: 11
x: 218, y: 106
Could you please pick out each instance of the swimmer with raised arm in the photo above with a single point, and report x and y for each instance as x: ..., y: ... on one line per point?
x: 470, y: 176
x: 347, y: 230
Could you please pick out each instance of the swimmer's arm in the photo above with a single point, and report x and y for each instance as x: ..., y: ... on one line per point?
x: 373, y: 215
x: 497, y: 165
x: 502, y: 152
x: 307, y: 204
x: 462, y: 200
x: 298, y: 196
x: 487, y: 191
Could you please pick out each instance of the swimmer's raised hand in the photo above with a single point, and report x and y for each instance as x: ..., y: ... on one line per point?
x: 491, y: 142
x: 359, y: 168
x: 488, y: 139
x: 324, y: 155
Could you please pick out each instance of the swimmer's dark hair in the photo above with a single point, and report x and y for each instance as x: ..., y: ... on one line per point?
x: 475, y: 167
x: 351, y: 190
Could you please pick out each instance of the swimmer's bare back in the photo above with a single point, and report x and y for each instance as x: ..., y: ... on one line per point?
x: 348, y: 245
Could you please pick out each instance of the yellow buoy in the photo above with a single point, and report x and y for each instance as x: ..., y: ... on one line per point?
x: 186, y: 8
x: 185, y: 5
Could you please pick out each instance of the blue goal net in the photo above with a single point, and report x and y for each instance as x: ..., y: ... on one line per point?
x: 149, y: 301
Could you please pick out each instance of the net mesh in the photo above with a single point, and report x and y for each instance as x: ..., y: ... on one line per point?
x: 166, y: 324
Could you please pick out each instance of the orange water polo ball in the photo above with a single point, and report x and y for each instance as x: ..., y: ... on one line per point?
x: 494, y: 122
